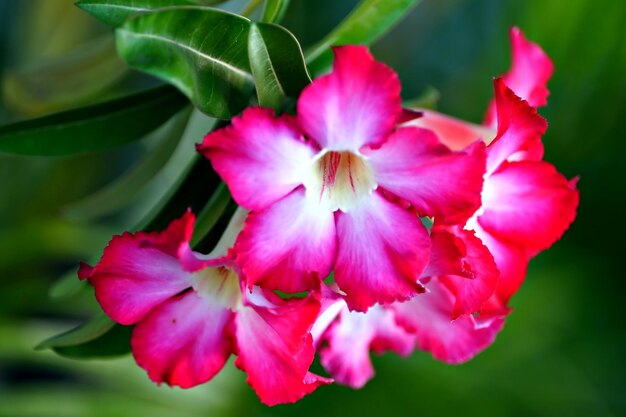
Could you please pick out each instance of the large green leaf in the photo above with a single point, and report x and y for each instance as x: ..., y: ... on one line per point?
x: 114, y: 342
x: 100, y: 126
x: 367, y: 22
x: 274, y: 10
x: 277, y: 64
x: 115, y: 12
x: 200, y: 50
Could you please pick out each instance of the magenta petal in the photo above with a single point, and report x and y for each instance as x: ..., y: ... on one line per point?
x: 183, y: 342
x: 289, y: 246
x: 261, y: 157
x: 138, y: 272
x: 466, y: 267
x: 519, y: 130
x: 275, y: 348
x: 428, y: 317
x: 382, y: 251
x: 528, y: 77
x: 350, y: 339
x: 414, y: 165
x: 357, y: 104
x: 528, y: 204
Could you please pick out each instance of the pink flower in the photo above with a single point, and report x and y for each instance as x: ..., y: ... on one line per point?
x: 459, y: 279
x: 190, y: 313
x: 328, y: 190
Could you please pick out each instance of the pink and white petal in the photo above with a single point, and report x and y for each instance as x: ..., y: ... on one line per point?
x: 528, y: 204
x: 465, y: 266
x: 357, y: 104
x: 519, y: 130
x: 456, y: 134
x: 184, y: 341
x: 275, y: 348
x: 528, y: 77
x: 428, y: 317
x: 289, y: 246
x: 382, y: 251
x: 414, y: 165
x: 138, y: 272
x: 349, y: 340
x: 260, y: 156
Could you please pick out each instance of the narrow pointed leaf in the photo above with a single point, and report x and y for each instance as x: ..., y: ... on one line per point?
x: 96, y: 127
x: 274, y: 10
x: 86, y: 332
x: 277, y: 64
x: 114, y: 342
x: 116, y: 12
x: 369, y: 20
x: 211, y: 213
x: 202, y: 51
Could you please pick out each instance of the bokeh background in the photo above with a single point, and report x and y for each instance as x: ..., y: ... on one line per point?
x: 562, y: 350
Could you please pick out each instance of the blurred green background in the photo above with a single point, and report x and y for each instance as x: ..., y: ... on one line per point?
x: 561, y: 352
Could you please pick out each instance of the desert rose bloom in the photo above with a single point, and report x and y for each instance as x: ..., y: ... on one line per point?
x: 191, y: 312
x: 526, y: 204
x: 460, y: 277
x: 328, y: 189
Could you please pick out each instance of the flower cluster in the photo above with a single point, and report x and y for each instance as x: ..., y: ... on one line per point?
x: 405, y: 229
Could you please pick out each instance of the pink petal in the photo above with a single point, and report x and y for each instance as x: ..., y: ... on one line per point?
x: 289, y: 246
x: 519, y: 130
x: 512, y: 262
x: 275, y: 348
x: 139, y: 271
x: 183, y: 342
x: 382, y: 250
x: 428, y: 317
x: 357, y: 104
x: 261, y: 157
x: 528, y: 77
x: 528, y: 204
x: 465, y: 266
x: 414, y: 165
x: 454, y: 133
x: 350, y: 339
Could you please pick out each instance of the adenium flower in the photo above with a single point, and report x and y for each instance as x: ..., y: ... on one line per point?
x: 526, y: 206
x: 460, y: 277
x: 191, y: 313
x: 328, y: 189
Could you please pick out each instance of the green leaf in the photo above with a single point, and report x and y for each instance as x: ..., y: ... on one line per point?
x: 274, y: 10
x: 211, y: 213
x: 370, y: 20
x: 202, y: 51
x: 116, y: 12
x: 277, y: 64
x: 115, y: 342
x: 100, y: 126
x: 121, y: 192
x: 86, y: 332
x: 427, y: 100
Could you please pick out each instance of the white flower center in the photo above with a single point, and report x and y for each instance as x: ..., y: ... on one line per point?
x: 339, y: 180
x: 218, y: 285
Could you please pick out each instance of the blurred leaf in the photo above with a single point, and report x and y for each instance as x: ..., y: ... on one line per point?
x: 427, y: 100
x: 211, y: 213
x: 370, y: 20
x: 202, y: 51
x: 116, y: 12
x: 113, y: 342
x: 122, y: 191
x: 97, y: 326
x: 57, y: 83
x: 274, y: 10
x: 100, y: 126
x: 277, y: 64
